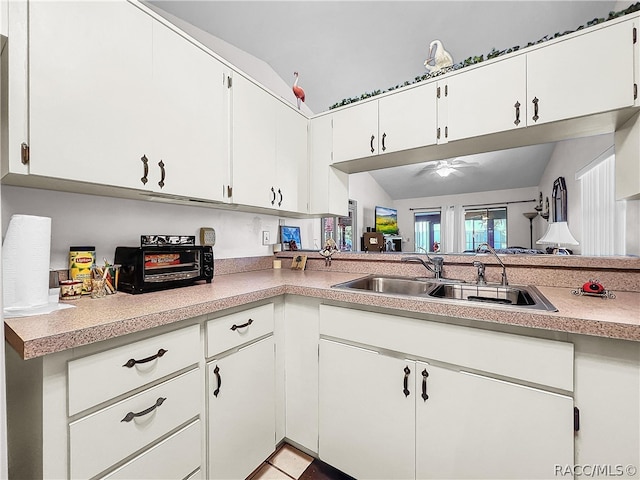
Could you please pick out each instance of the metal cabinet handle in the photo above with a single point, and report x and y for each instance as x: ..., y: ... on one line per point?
x: 216, y: 372
x: 535, y: 109
x: 406, y: 382
x: 517, y: 107
x: 372, y: 139
x: 424, y: 395
x: 145, y: 163
x: 273, y: 199
x: 235, y: 327
x: 384, y: 147
x: 162, y: 173
x: 281, y: 197
x: 132, y: 362
x: 130, y: 416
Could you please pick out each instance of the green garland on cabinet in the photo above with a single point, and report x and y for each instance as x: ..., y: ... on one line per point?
x: 492, y: 54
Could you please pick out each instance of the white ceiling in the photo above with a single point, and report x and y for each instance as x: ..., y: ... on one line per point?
x: 345, y: 48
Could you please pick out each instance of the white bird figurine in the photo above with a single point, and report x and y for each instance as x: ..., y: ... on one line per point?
x: 439, y: 56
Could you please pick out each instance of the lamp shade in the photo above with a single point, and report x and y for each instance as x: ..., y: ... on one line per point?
x: 558, y: 234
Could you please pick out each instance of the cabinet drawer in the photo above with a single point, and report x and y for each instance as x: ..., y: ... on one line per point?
x: 536, y: 360
x: 104, y: 438
x: 233, y: 330
x: 176, y: 457
x: 97, y: 378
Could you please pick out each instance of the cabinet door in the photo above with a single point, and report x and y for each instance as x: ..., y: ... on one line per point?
x: 588, y: 74
x: 355, y: 132
x: 88, y: 99
x: 328, y: 187
x: 366, y: 421
x: 292, y: 162
x: 477, y: 427
x: 190, y: 120
x: 407, y: 119
x: 241, y: 399
x: 487, y: 99
x: 254, y: 145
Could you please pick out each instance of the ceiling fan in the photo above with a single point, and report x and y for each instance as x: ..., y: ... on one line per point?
x: 444, y: 168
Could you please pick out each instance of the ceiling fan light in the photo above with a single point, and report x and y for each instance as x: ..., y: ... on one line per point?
x: 444, y: 171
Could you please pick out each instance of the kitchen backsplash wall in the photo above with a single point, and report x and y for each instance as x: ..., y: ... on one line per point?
x: 108, y: 222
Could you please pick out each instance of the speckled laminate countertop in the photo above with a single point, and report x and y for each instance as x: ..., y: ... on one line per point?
x: 94, y: 320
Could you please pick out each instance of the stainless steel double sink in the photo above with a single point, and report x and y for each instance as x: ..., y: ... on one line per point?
x: 520, y: 296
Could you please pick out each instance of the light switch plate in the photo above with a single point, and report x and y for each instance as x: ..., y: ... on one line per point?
x: 207, y: 236
x: 266, y: 237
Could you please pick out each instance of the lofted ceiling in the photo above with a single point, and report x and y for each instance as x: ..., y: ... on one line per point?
x: 345, y: 48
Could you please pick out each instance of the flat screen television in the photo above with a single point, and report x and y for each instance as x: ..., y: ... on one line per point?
x: 290, y: 233
x: 387, y: 221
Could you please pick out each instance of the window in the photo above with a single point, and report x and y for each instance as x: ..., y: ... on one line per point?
x: 487, y: 225
x: 427, y: 231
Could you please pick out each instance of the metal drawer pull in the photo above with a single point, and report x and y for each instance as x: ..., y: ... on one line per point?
x: 273, y: 199
x: 132, y: 362
x: 517, y: 107
x: 145, y: 163
x: 406, y: 382
x: 535, y: 109
x: 384, y: 136
x: 216, y: 372
x: 162, y: 174
x: 234, y: 327
x: 425, y: 374
x: 372, y: 139
x: 281, y: 197
x: 130, y: 416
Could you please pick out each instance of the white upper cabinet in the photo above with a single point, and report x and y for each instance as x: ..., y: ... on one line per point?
x: 400, y: 121
x: 483, y: 100
x: 253, y: 134
x: 146, y: 109
x: 355, y: 132
x: 190, y: 124
x: 291, y: 173
x: 407, y: 119
x: 269, y: 150
x: 583, y: 75
x: 89, y: 99
x: 328, y: 187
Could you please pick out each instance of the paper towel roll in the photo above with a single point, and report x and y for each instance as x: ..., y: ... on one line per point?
x: 26, y: 253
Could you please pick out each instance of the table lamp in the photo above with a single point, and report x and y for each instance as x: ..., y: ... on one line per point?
x: 558, y: 234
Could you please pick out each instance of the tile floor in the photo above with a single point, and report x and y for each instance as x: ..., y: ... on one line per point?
x: 289, y: 463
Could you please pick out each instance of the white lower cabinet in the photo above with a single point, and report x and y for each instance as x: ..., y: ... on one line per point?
x: 474, y: 426
x: 100, y: 440
x: 179, y: 447
x: 241, y: 403
x: 366, y: 421
x: 387, y: 413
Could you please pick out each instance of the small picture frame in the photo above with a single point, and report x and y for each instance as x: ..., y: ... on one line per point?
x: 299, y: 262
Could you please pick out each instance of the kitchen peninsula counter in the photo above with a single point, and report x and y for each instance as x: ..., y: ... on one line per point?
x: 94, y: 320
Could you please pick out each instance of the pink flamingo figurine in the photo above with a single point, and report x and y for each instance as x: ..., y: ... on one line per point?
x: 298, y: 91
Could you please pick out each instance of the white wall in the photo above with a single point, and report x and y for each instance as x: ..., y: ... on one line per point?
x: 110, y: 222
x: 517, y: 225
x: 369, y: 194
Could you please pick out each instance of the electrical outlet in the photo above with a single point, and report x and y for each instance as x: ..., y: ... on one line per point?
x: 266, y: 237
